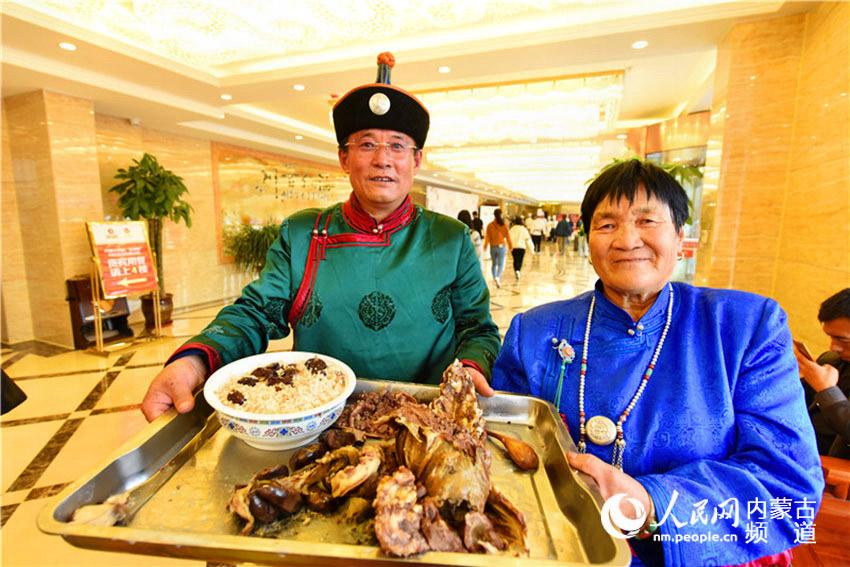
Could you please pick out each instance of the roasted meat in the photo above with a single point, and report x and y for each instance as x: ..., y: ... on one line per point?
x: 353, y: 476
x: 479, y: 535
x: 429, y: 488
x: 440, y: 535
x: 508, y: 522
x: 398, y: 516
x: 364, y: 416
x: 444, y: 444
x: 266, y: 499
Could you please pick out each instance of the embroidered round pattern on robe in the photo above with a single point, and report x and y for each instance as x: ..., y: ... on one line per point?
x: 376, y: 310
x: 312, y: 311
x: 275, y: 310
x: 441, y: 307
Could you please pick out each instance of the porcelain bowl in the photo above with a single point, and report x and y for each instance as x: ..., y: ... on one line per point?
x: 279, y: 431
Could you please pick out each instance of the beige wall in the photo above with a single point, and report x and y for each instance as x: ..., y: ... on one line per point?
x: 190, y: 263
x: 56, y: 189
x: 16, y: 298
x: 59, y: 160
x: 776, y: 199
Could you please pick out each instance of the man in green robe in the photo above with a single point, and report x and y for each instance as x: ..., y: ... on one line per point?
x: 392, y: 290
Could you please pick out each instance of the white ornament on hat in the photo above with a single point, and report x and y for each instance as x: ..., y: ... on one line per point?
x: 379, y: 104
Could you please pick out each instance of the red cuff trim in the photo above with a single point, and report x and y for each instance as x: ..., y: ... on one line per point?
x: 213, y: 358
x: 473, y: 364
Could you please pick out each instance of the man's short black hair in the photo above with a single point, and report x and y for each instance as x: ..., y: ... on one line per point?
x: 835, y: 307
x: 623, y: 179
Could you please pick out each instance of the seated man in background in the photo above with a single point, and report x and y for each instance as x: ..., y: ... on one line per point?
x: 827, y: 381
x: 392, y: 290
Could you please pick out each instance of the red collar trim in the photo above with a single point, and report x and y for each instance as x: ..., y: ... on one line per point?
x: 360, y: 220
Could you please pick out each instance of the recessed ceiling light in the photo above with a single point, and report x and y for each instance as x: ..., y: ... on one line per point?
x: 226, y: 96
x: 621, y: 136
x: 299, y: 137
x: 298, y: 87
x: 68, y: 46
x: 640, y: 44
x: 444, y: 69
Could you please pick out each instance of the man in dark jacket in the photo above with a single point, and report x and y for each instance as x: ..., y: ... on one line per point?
x: 562, y: 233
x: 827, y: 381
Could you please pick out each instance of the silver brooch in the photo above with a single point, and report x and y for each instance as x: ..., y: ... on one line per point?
x: 379, y: 104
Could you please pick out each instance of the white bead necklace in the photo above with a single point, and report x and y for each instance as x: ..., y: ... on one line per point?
x: 601, y: 430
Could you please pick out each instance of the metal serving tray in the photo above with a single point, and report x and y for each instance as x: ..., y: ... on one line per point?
x: 182, y: 470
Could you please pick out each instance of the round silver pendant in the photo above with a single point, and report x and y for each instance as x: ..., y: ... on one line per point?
x: 379, y: 104
x: 601, y: 430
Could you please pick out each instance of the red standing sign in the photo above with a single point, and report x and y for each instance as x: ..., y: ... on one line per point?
x: 123, y: 256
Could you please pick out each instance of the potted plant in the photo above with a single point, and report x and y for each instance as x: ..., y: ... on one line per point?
x: 248, y: 244
x: 151, y: 192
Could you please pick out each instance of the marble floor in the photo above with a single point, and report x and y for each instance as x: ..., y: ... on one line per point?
x: 81, y: 407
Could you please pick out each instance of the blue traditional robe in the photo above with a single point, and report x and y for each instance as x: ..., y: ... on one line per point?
x: 722, y: 416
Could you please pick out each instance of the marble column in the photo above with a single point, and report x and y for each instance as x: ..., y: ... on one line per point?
x: 776, y: 197
x: 57, y: 188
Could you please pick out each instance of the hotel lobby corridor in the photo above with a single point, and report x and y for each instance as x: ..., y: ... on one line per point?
x: 81, y: 407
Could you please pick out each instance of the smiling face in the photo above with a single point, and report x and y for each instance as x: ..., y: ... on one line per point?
x: 381, y: 180
x: 633, y: 247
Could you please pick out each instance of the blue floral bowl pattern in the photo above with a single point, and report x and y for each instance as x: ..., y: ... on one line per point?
x: 275, y: 432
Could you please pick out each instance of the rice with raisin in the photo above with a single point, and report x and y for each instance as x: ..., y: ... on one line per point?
x: 286, y: 388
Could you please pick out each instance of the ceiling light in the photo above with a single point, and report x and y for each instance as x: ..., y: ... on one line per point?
x: 298, y: 87
x: 226, y: 96
x: 215, y: 33
x: 299, y: 137
x: 621, y: 136
x: 445, y: 69
x: 68, y: 46
x: 545, y: 110
x: 554, y: 171
x: 640, y: 44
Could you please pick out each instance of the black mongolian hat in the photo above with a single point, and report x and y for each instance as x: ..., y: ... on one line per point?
x: 381, y: 105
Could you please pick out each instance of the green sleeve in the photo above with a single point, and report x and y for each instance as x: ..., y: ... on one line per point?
x: 260, y: 314
x: 477, y: 336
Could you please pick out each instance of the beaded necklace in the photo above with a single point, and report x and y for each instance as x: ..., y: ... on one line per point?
x: 601, y: 430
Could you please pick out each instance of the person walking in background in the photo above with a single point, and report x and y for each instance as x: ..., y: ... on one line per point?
x: 477, y: 224
x: 563, y: 230
x: 497, y: 237
x: 538, y: 228
x: 581, y: 235
x: 521, y: 241
x: 475, y: 235
x: 827, y: 380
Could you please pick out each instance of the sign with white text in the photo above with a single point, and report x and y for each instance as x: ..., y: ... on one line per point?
x: 123, y: 256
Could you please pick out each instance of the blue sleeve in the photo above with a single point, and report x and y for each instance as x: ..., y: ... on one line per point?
x: 773, y: 457
x: 509, y: 373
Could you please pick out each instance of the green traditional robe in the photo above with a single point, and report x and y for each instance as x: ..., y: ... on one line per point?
x: 399, y: 300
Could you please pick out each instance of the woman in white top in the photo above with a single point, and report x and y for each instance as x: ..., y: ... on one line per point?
x: 477, y: 241
x: 521, y: 240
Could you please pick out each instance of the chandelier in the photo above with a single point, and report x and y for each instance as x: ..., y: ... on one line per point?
x: 574, y: 108
x: 543, y: 139
x: 221, y: 32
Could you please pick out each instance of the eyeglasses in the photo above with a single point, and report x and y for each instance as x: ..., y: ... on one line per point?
x: 371, y: 147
